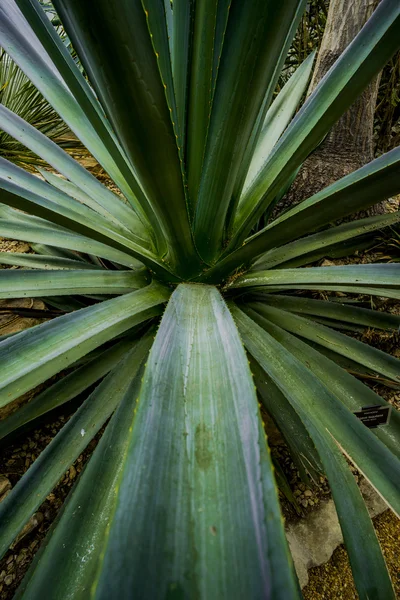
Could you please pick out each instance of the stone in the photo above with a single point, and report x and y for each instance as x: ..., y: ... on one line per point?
x: 313, y: 539
x: 5, y: 485
x: 33, y: 522
x: 375, y: 504
x: 8, y: 580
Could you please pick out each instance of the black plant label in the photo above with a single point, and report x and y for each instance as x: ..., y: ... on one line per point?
x: 373, y: 416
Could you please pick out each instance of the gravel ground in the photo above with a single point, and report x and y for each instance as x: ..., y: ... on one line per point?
x: 15, y: 460
x: 333, y: 580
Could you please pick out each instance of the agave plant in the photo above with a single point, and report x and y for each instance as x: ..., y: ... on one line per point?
x: 164, y: 288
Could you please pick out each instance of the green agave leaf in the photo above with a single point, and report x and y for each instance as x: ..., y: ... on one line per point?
x: 57, y: 252
x: 33, y: 261
x: 372, y: 275
x: 73, y: 438
x: 26, y: 200
x: 82, y: 197
x: 21, y: 42
x: 334, y: 311
x: 352, y: 72
x: 374, y: 359
x: 293, y: 23
x: 348, y: 289
x: 278, y: 117
x: 252, y: 46
x: 156, y: 16
x: 45, y: 233
x: 67, y: 388
x: 27, y: 181
x: 170, y: 27
x: 70, y: 168
x: 289, y: 424
x: 21, y: 283
x: 357, y: 528
x: 182, y: 15
x: 220, y: 29
x: 36, y: 354
x: 82, y: 527
x: 124, y: 71
x: 201, y: 90
x: 359, y: 190
x: 349, y: 247
x: 116, y: 163
x: 205, y: 521
x: 308, y: 396
x: 324, y: 240
x: 349, y: 390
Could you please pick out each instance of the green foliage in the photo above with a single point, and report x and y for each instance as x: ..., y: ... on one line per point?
x: 19, y: 95
x: 162, y: 289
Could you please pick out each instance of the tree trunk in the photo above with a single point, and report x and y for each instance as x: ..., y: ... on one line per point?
x: 349, y: 145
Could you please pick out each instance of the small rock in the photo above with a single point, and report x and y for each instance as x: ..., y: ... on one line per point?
x: 72, y: 472
x: 33, y: 522
x: 8, y: 580
x: 304, y: 503
x: 308, y: 493
x: 5, y: 485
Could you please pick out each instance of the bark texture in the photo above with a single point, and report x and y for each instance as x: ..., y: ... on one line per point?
x: 349, y: 145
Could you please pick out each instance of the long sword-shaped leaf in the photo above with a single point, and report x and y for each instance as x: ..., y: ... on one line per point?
x: 13, y: 173
x: 220, y: 29
x: 359, y: 190
x: 278, y: 117
x: 70, y: 168
x: 33, y: 261
x: 371, y: 275
x: 324, y: 240
x: 202, y: 518
x: 62, y: 238
x: 22, y: 283
x: 81, y: 196
x: 34, y: 355
x: 349, y: 390
x: 182, y: 14
x: 303, y: 451
x: 253, y: 42
x: 308, y: 396
x: 374, y: 359
x: 23, y: 199
x: 43, y: 475
x: 201, y: 90
x: 67, y: 387
x: 364, y: 57
x: 21, y: 43
x: 356, y: 525
x: 293, y: 23
x: 368, y: 566
x: 348, y: 289
x: 124, y: 71
x: 115, y: 163
x: 334, y: 311
x: 68, y: 563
